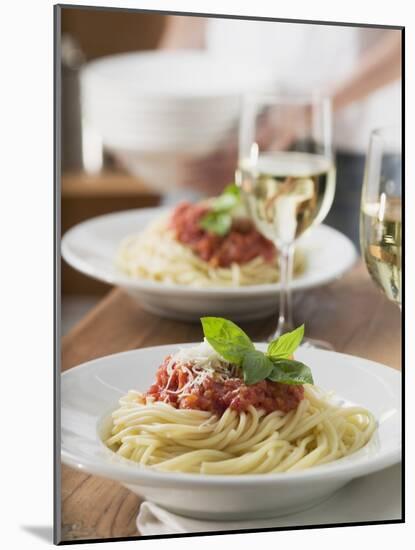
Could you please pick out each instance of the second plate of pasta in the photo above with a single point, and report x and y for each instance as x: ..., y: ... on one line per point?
x: 107, y: 247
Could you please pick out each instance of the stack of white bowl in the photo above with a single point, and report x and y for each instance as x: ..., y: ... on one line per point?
x: 154, y: 109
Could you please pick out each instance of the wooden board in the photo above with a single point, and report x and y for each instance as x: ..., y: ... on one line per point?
x: 85, y: 196
x: 350, y: 313
x: 106, y: 32
x: 108, y: 184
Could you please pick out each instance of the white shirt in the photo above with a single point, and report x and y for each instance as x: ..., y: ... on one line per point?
x: 308, y: 57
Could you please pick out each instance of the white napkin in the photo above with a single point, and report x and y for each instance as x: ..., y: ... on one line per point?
x: 376, y: 497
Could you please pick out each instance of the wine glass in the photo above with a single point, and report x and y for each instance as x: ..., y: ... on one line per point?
x: 287, y: 176
x: 381, y: 211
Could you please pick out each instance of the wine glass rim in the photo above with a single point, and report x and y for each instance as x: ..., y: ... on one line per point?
x: 287, y: 98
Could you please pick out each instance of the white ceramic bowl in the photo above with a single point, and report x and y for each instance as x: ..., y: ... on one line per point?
x: 164, y: 101
x: 91, y: 246
x: 91, y: 391
x: 170, y: 78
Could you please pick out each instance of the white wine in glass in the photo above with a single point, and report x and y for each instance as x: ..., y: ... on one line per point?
x: 381, y: 212
x: 287, y: 176
x: 287, y: 192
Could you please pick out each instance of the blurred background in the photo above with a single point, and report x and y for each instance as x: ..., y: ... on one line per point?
x: 144, y: 130
x: 93, y: 183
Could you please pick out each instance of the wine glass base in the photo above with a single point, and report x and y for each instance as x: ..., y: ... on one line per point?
x: 311, y: 343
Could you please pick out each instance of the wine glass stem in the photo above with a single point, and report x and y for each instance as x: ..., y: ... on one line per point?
x: 285, y: 321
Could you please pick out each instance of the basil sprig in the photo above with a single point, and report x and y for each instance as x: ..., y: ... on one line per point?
x: 286, y: 344
x: 230, y: 341
x: 276, y: 364
x: 219, y: 218
x: 256, y: 366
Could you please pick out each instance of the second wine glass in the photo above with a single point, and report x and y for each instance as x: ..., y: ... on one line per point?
x: 381, y: 212
x: 287, y: 175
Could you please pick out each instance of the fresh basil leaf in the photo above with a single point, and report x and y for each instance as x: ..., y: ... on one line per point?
x: 219, y: 219
x: 226, y: 338
x: 229, y: 198
x: 286, y: 344
x: 225, y: 202
x: 233, y: 189
x: 256, y: 366
x: 288, y: 371
x: 217, y: 222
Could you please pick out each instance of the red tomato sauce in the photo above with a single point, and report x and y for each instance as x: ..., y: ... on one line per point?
x: 217, y: 395
x: 242, y: 244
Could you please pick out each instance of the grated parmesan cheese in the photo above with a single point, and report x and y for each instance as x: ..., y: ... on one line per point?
x: 205, y: 362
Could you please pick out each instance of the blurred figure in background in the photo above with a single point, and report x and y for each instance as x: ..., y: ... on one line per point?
x: 358, y: 67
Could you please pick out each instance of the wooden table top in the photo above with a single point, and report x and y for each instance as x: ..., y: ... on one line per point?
x: 350, y: 313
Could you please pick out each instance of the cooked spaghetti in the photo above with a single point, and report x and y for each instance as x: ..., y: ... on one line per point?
x: 156, y: 255
x: 200, y: 417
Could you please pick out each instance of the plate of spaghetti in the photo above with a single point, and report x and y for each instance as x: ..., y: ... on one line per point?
x: 204, y: 258
x: 211, y: 243
x: 229, y: 429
